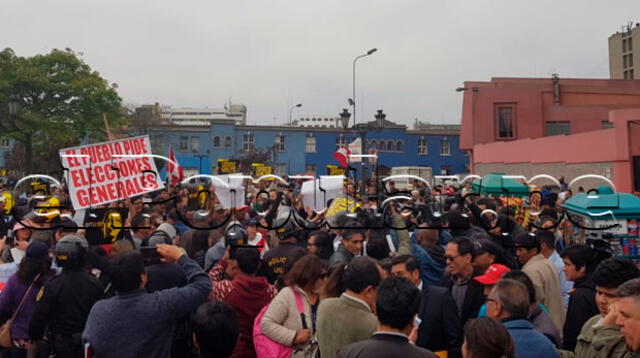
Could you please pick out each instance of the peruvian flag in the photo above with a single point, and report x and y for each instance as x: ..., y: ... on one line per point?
x: 175, y: 174
x: 342, y: 156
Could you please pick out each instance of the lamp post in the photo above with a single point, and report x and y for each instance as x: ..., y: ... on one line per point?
x: 353, y: 99
x: 291, y: 110
x: 344, y: 117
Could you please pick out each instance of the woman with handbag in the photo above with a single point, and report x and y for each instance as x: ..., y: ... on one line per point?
x: 18, y: 299
x: 284, y: 322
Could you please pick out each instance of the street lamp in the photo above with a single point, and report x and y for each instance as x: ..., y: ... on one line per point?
x: 344, y: 117
x: 291, y: 109
x: 353, y: 101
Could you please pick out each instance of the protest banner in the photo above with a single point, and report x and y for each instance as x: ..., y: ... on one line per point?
x: 261, y: 169
x: 226, y: 166
x: 335, y: 170
x: 105, y: 172
x: 317, y: 199
x: 104, y: 226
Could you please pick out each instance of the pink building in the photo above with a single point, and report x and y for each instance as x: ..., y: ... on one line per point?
x: 561, y: 127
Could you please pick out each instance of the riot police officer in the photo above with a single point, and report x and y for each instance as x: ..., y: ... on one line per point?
x: 63, y: 304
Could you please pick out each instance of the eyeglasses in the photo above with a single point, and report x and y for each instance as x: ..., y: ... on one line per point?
x: 489, y: 299
x: 451, y: 258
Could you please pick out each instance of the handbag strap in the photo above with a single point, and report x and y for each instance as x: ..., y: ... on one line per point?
x: 24, y: 298
x: 300, y: 305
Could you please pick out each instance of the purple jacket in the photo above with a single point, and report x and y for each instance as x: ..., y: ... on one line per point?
x: 9, y: 301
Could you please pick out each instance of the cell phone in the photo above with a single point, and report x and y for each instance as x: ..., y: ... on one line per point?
x: 150, y: 254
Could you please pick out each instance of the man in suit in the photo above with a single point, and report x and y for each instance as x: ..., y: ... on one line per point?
x: 439, y: 326
x: 349, y: 318
x: 468, y: 294
x: 397, y: 304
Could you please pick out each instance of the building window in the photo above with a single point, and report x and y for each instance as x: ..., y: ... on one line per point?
x: 227, y: 142
x: 391, y: 146
x: 310, y: 169
x: 382, y: 146
x: 626, y: 75
x: 505, y: 118
x: 624, y: 61
x: 400, y: 146
x: 445, y: 170
x: 280, y: 169
x: 624, y: 45
x: 311, y: 145
x: 184, y: 143
x: 341, y: 141
x: 280, y: 143
x: 445, y: 147
x: 195, y: 144
x: 216, y: 141
x: 630, y: 59
x: 4, y: 143
x: 248, y: 142
x: 422, y: 146
x: 557, y: 128
x: 607, y: 124
x: 630, y: 44
x: 631, y: 74
x: 373, y: 145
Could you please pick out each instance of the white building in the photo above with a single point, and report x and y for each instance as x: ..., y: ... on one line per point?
x: 189, y: 116
x: 317, y: 121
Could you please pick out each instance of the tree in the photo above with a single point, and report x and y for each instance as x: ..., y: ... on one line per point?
x: 60, y: 101
x: 260, y: 155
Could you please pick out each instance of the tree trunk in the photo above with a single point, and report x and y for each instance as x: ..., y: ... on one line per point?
x: 28, y: 153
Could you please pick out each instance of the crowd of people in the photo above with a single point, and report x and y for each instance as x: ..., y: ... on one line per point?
x: 433, y: 272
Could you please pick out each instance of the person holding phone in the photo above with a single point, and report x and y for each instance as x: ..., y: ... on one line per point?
x: 136, y: 323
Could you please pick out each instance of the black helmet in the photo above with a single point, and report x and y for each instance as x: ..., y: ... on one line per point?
x: 286, y: 228
x: 71, y: 251
x: 235, y: 235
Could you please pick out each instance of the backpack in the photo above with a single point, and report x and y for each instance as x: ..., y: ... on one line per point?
x: 265, y: 346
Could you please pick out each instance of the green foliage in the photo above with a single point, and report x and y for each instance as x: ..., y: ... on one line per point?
x: 61, y: 102
x: 259, y: 155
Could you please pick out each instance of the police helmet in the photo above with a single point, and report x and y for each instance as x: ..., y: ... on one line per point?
x: 286, y: 228
x: 71, y: 251
x: 235, y: 235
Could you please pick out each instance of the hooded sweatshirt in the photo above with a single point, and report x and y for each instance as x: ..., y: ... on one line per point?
x: 246, y: 295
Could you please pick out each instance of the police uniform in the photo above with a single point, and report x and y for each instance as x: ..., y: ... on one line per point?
x: 63, y: 306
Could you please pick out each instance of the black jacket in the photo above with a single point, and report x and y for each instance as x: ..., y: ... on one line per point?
x: 164, y: 276
x: 582, y: 306
x: 473, y: 300
x: 385, y: 345
x: 440, y: 329
x: 63, y: 304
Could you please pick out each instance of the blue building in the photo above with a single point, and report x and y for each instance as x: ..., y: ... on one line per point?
x: 298, y: 150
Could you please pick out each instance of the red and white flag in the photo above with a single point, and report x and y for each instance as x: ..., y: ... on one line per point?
x: 175, y: 174
x: 342, y: 156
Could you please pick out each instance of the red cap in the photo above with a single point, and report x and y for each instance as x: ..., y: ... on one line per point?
x: 493, y: 274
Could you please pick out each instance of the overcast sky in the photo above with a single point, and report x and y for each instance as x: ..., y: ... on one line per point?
x: 271, y: 54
